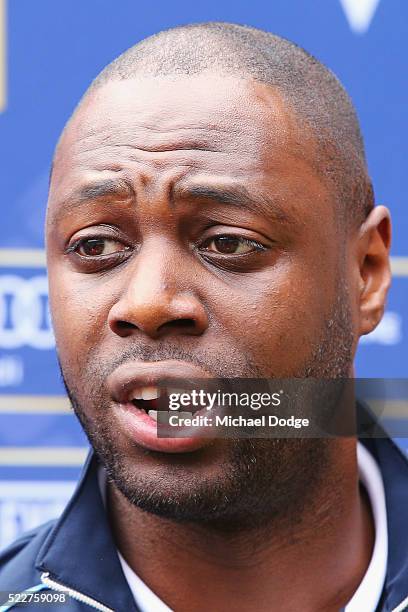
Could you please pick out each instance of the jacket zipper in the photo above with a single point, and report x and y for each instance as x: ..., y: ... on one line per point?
x: 402, y: 606
x: 57, y: 586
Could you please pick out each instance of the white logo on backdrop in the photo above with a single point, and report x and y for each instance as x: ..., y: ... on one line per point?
x: 359, y: 13
x: 11, y: 371
x: 26, y: 504
x: 24, y: 314
x: 388, y: 331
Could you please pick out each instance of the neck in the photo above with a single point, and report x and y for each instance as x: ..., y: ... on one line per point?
x: 314, y: 561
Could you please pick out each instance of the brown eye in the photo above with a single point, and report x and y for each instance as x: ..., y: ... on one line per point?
x: 232, y: 245
x: 94, y: 247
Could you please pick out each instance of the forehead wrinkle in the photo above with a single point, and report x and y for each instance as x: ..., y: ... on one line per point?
x: 192, y: 145
x: 207, y: 137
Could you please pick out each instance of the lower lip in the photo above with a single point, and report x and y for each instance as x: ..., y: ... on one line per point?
x: 142, y: 429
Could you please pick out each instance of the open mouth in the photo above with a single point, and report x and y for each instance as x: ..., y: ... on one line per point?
x: 154, y: 400
x: 145, y: 394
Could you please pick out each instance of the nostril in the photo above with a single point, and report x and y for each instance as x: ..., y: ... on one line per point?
x: 178, y: 324
x: 125, y: 325
x: 186, y: 324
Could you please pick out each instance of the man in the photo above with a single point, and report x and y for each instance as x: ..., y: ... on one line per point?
x: 210, y: 216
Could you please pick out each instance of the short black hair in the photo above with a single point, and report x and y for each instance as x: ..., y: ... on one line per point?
x: 313, y: 92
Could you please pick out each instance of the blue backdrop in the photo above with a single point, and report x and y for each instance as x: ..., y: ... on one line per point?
x: 49, y: 52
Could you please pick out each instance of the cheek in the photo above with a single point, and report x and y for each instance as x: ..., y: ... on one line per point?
x: 79, y: 313
x: 275, y: 321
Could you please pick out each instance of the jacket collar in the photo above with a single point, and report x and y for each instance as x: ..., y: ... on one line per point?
x: 80, y: 552
x: 394, y: 470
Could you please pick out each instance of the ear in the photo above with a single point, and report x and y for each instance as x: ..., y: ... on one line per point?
x: 374, y: 268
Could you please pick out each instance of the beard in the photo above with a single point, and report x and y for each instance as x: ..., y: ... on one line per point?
x: 247, y: 483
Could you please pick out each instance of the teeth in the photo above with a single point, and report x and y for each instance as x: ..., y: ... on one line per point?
x: 153, y: 414
x: 145, y: 393
x: 149, y: 393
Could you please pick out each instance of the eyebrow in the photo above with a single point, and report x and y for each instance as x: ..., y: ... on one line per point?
x: 104, y: 188
x: 237, y: 195
x: 118, y: 188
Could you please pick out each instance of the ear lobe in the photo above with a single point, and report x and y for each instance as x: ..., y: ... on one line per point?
x: 374, y: 268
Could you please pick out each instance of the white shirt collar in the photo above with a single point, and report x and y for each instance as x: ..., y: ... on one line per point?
x: 368, y: 594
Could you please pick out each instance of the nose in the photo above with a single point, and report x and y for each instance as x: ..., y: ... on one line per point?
x: 157, y: 299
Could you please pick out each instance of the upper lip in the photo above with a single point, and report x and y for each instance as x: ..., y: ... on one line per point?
x: 138, y: 374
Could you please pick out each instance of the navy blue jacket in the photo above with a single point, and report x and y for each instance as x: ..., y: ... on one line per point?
x: 77, y: 551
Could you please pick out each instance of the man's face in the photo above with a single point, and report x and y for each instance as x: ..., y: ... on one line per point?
x: 189, y: 231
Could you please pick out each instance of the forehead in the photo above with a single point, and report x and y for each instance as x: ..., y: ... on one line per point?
x: 161, y: 130
x: 207, y: 111
x: 222, y: 108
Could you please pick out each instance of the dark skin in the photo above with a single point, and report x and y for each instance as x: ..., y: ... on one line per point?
x: 158, y: 281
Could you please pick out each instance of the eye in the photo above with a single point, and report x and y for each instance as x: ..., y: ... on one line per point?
x: 232, y: 245
x: 97, y: 247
